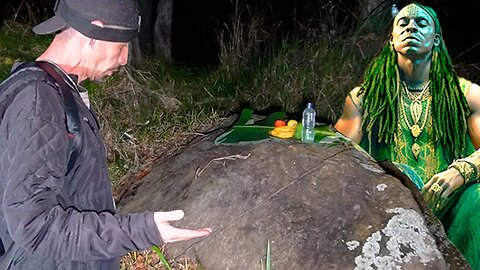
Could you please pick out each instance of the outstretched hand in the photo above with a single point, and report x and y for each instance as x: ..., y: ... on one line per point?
x: 440, y: 186
x: 171, y: 234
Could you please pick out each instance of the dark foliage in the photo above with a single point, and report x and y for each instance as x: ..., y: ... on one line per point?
x: 26, y: 11
x: 195, y: 24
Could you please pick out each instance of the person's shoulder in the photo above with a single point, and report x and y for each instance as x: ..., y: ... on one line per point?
x: 464, y: 85
x: 23, y: 75
x: 472, y: 93
x: 357, y: 91
x: 356, y: 96
x: 474, y: 89
x: 35, y: 96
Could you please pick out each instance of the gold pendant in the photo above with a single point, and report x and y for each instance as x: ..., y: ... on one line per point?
x: 416, y: 149
x: 416, y: 130
x: 416, y: 110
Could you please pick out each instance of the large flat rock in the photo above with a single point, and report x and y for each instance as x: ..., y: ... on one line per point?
x: 321, y: 206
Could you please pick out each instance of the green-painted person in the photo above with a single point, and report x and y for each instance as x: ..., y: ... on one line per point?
x: 413, y: 110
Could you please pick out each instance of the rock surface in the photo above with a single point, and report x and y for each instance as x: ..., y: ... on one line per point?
x: 321, y: 206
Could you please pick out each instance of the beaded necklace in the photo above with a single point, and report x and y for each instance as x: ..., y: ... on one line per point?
x: 416, y: 112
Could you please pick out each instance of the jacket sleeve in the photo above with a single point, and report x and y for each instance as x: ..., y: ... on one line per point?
x: 34, y: 163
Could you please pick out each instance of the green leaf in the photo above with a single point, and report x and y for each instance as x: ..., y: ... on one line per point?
x: 323, y: 131
x: 244, y: 117
x: 257, y: 132
x: 270, y: 120
x: 249, y: 133
x: 162, y: 258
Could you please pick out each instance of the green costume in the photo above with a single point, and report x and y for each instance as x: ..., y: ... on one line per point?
x: 423, y: 130
x: 460, y: 215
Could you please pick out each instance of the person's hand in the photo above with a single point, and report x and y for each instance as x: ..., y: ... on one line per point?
x: 171, y: 234
x: 440, y: 186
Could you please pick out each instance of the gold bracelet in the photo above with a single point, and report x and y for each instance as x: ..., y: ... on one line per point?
x: 474, y: 158
x: 467, y: 169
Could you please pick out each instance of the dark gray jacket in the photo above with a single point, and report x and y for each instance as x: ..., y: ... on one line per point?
x: 49, y: 220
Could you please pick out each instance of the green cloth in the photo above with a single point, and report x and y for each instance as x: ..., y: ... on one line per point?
x: 460, y: 215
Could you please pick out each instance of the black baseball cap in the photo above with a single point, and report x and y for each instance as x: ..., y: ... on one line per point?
x: 120, y: 18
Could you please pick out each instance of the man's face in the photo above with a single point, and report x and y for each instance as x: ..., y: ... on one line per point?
x: 414, y: 31
x: 109, y: 57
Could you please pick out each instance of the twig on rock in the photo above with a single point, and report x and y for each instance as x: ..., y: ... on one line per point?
x: 231, y: 157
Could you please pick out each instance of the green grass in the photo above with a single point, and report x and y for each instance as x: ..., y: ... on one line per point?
x: 18, y: 43
x: 268, y: 263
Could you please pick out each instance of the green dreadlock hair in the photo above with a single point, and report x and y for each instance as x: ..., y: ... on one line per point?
x: 450, y: 109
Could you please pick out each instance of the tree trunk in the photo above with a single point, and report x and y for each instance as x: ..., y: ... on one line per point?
x: 163, y: 30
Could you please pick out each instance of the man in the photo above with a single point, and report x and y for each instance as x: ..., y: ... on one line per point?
x: 412, y: 109
x: 56, y: 215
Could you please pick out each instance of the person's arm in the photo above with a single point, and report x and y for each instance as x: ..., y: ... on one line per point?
x: 473, y: 98
x: 461, y: 171
x: 350, y: 123
x: 33, y: 164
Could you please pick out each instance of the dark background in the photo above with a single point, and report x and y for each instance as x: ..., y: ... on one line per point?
x: 195, y: 24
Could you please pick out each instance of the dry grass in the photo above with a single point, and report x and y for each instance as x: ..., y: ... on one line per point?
x: 149, y: 260
x: 141, y: 123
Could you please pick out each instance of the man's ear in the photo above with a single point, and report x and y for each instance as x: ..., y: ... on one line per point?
x: 390, y: 40
x: 436, y: 40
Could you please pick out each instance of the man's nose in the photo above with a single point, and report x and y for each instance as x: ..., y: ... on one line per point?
x: 412, y: 26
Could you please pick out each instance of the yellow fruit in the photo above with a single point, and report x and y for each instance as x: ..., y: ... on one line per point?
x: 284, y: 128
x: 282, y: 135
x: 292, y: 123
x: 284, y: 132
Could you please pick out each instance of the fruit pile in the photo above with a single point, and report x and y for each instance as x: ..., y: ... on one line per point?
x: 286, y: 129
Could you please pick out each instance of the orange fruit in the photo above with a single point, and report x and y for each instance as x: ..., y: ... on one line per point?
x: 279, y: 123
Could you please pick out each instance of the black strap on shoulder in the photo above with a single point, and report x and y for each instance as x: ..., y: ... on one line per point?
x: 73, y: 122
x: 71, y: 111
x: 73, y: 117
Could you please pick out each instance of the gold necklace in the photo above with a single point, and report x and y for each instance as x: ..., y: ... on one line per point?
x: 416, y: 111
x: 419, y: 94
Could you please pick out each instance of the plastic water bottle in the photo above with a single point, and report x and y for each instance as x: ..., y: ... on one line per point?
x: 308, y: 122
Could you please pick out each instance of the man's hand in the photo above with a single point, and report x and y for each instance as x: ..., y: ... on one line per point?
x: 171, y: 234
x: 440, y: 186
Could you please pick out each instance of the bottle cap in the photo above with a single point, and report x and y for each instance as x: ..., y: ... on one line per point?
x: 310, y: 105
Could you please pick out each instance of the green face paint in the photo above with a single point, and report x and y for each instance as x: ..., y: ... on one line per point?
x: 412, y: 10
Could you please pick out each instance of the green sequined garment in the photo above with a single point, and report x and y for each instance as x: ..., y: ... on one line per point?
x: 460, y: 216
